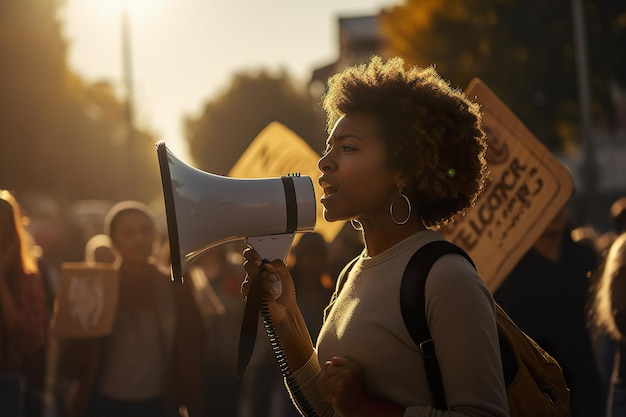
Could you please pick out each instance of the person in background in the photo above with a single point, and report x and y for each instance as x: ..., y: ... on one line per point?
x: 405, y: 153
x: 217, y: 282
x: 99, y: 249
x: 347, y: 245
x: 617, y: 213
x: 609, y: 315
x: 148, y: 365
x: 309, y: 269
x: 23, y: 316
x: 547, y: 295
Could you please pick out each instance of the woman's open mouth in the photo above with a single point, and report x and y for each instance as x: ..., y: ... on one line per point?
x: 329, y: 190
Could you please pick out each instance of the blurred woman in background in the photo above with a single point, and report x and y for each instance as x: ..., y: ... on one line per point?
x: 149, y: 365
x: 609, y: 318
x: 23, y: 315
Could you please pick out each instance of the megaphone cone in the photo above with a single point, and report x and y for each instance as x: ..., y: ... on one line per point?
x: 204, y: 210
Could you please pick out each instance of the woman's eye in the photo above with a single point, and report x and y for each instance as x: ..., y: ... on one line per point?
x: 342, y: 148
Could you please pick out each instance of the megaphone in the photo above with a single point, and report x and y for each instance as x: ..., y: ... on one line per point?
x: 204, y: 210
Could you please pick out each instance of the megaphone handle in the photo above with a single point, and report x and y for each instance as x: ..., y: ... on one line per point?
x: 247, y: 339
x: 270, y: 248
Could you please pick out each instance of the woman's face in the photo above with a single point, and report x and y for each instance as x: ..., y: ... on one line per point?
x: 356, y: 177
x: 133, y: 236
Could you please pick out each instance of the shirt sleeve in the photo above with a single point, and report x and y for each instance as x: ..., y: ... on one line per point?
x: 302, y: 389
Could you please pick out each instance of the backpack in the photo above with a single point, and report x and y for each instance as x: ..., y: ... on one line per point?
x: 534, y: 380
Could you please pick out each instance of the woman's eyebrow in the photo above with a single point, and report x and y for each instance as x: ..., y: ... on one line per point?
x: 348, y: 135
x: 342, y: 137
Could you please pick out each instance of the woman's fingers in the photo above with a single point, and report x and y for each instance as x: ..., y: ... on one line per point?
x: 341, y: 384
x: 271, y: 281
x: 251, y: 265
x: 245, y: 287
x: 340, y: 360
x: 275, y: 275
x: 252, y: 257
x: 336, y: 365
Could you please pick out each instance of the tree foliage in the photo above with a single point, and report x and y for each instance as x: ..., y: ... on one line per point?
x: 230, y: 122
x: 523, y: 50
x: 59, y: 136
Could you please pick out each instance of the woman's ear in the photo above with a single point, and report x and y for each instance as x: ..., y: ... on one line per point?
x: 402, y: 180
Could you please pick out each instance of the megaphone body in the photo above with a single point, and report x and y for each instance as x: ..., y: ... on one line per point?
x: 205, y: 210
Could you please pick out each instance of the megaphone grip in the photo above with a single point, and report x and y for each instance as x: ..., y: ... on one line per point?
x: 247, y: 339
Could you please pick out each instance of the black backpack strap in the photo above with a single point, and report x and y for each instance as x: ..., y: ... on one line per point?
x: 413, y: 306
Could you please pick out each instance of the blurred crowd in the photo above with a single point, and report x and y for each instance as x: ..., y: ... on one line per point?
x: 172, y: 348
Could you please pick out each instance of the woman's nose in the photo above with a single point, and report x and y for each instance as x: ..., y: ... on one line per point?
x: 324, y: 163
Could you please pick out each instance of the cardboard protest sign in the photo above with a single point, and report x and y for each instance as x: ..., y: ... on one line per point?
x: 277, y: 151
x: 86, y: 300
x: 526, y: 188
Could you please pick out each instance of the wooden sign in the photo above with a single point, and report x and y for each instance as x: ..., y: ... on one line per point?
x: 527, y: 186
x: 277, y: 151
x: 86, y: 300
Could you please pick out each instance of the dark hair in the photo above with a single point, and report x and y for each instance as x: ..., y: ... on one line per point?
x: 433, y: 132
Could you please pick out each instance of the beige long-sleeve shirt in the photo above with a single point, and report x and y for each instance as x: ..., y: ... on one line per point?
x: 366, y: 325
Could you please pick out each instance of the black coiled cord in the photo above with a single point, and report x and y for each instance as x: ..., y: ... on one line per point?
x: 297, y: 394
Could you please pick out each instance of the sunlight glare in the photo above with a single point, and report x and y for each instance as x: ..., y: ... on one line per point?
x: 139, y: 9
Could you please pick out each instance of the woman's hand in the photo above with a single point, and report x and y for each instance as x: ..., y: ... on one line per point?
x: 284, y: 312
x: 341, y: 384
x: 270, y: 273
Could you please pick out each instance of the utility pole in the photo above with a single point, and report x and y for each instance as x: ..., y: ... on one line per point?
x: 129, y: 113
x: 589, y: 169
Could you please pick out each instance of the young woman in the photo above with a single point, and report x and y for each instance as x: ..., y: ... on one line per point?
x: 23, y: 311
x: 151, y: 363
x: 608, y: 311
x: 405, y: 153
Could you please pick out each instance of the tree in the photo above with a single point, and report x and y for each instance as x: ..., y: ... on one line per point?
x: 524, y: 51
x: 232, y: 120
x: 58, y: 135
x: 31, y: 81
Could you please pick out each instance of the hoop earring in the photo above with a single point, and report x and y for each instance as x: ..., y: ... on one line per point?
x: 408, y: 203
x: 356, y: 225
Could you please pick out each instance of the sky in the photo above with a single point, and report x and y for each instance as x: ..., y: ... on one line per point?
x: 184, y: 52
